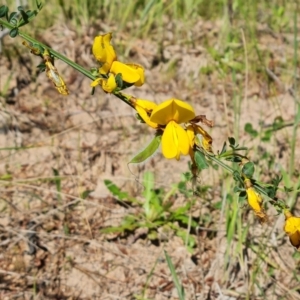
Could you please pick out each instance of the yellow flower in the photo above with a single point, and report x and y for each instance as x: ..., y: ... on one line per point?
x: 171, y: 113
x: 144, y: 109
x: 197, y: 135
x: 255, y: 201
x: 108, y: 85
x: 292, y: 228
x: 105, y: 54
x: 131, y: 73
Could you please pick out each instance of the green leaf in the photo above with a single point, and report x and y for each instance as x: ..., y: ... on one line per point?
x: 271, y: 191
x: 24, y: 16
x: 85, y: 194
x: 130, y: 220
x: 278, y: 123
x: 267, y: 136
x: 236, y: 159
x: 231, y: 141
x: 248, y: 169
x: 57, y: 179
x: 119, y: 80
x: 6, y: 177
x: 182, y: 210
x: 94, y: 71
x: 237, y: 177
x: 12, y: 15
x: 237, y: 189
x: 179, y: 287
x: 20, y: 8
x: 250, y: 130
x: 129, y: 223
x: 242, y: 196
x: 41, y: 67
x: 121, y: 196
x: 115, y: 190
x: 148, y: 182
x: 186, y: 220
x: 14, y: 32
x: 3, y: 10
x: 200, y: 161
x: 277, y: 180
x: 153, y: 204
x: 31, y: 13
x: 14, y: 22
x: 152, y: 235
x: 148, y: 151
x: 217, y: 205
x: 191, y: 242
x: 224, y: 148
x: 39, y: 5
x: 287, y: 189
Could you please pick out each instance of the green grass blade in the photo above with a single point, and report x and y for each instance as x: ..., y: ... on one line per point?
x: 178, y: 286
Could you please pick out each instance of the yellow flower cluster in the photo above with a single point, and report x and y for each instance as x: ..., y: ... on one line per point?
x: 167, y: 117
x: 105, y: 54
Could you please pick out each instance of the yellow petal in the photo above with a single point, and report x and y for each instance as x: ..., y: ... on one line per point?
x: 140, y: 70
x: 144, y: 109
x: 174, y: 141
x: 109, y: 85
x: 129, y: 74
x: 292, y: 224
x: 96, y: 82
x: 145, y: 104
x: 104, y: 52
x: 184, y: 143
x: 172, y: 109
x: 255, y: 202
x: 254, y: 199
x: 292, y: 228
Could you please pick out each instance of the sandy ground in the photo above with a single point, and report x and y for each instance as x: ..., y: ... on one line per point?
x: 92, y: 138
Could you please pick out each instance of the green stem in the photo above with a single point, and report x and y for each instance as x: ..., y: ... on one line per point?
x: 52, y: 52
x: 124, y: 98
x: 231, y: 171
x: 220, y: 163
x: 231, y: 153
